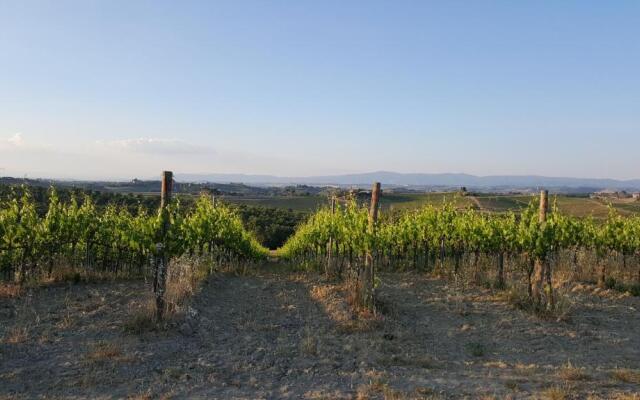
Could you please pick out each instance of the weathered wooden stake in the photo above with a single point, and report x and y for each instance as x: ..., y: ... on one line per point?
x: 541, y: 270
x: 544, y: 206
x: 167, y: 188
x: 373, y: 209
x: 367, y: 277
x: 162, y: 260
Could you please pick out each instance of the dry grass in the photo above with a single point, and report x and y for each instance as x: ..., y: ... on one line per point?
x: 626, y: 375
x: 525, y: 370
x: 366, y: 392
x: 380, y: 389
x: 104, y: 351
x: 16, y: 335
x: 66, y: 321
x: 569, y: 372
x: 496, y: 364
x: 10, y: 291
x: 332, y: 299
x: 377, y: 389
x: 141, y: 396
x: 141, y: 319
x: 180, y: 287
x: 554, y: 393
x: 62, y: 274
x: 25, y: 324
x: 335, y: 301
x: 616, y: 396
x: 148, y: 396
x: 519, y: 299
x: 185, y: 278
x: 309, y: 343
x: 186, y: 275
x: 45, y: 337
x: 626, y: 396
x: 512, y: 385
x: 391, y: 394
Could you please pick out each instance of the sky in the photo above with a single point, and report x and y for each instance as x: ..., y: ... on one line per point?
x: 120, y: 89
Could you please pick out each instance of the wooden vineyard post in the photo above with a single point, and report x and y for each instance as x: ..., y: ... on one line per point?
x: 162, y: 259
x: 544, y: 206
x: 373, y: 210
x: 329, y: 270
x: 541, y: 271
x: 367, y: 275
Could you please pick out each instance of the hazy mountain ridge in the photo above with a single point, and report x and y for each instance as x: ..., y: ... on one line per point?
x: 423, y: 179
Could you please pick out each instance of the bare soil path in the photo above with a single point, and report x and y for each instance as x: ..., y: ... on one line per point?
x: 277, y: 334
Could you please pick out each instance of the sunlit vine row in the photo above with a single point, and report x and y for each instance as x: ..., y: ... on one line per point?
x: 114, y: 240
x: 427, y: 237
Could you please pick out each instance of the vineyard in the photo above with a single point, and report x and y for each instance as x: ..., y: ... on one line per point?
x: 498, y: 249
x: 114, y: 241
x: 358, y: 303
x: 511, y: 249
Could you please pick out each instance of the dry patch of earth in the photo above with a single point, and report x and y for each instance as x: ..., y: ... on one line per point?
x: 278, y: 335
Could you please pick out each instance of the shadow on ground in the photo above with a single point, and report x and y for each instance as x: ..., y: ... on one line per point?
x: 277, y: 334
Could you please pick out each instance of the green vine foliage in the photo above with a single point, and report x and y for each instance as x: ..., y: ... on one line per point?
x: 437, y: 232
x: 114, y: 240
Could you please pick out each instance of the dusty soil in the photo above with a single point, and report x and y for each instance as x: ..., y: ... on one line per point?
x: 277, y: 335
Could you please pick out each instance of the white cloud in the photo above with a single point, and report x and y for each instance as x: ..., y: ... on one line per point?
x: 12, y: 142
x: 16, y: 139
x: 17, y: 144
x: 156, y: 146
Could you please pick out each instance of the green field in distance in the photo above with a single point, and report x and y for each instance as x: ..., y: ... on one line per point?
x: 576, y: 206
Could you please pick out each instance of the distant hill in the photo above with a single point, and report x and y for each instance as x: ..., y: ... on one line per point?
x: 424, y: 180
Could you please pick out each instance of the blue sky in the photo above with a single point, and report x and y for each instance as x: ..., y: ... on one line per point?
x: 117, y: 89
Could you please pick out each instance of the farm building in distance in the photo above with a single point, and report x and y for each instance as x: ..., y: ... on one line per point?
x: 636, y: 196
x: 611, y: 194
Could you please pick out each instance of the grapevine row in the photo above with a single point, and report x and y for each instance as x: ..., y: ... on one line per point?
x: 113, y: 240
x: 446, y: 239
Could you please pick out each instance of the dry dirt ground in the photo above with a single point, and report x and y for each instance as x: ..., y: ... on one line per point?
x: 277, y: 334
